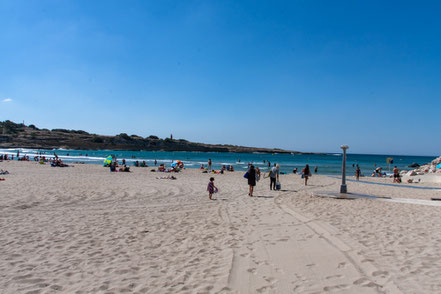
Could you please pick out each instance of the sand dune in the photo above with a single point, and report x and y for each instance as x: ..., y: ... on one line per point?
x: 82, y: 229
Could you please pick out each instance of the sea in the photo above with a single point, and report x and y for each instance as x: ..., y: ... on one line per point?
x: 329, y: 164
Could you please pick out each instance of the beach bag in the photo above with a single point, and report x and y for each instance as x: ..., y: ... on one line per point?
x: 278, y: 186
x: 245, y: 175
x: 303, y: 175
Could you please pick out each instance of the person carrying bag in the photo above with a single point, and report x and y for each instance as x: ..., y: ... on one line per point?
x: 274, y: 176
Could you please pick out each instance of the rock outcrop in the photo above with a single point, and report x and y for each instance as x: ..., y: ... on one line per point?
x: 429, y: 167
x: 14, y: 135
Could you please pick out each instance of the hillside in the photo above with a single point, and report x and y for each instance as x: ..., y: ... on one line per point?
x: 14, y: 135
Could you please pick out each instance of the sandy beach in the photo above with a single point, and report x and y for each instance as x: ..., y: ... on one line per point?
x: 82, y: 229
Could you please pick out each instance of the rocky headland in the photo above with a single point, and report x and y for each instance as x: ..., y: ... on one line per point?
x: 15, y: 135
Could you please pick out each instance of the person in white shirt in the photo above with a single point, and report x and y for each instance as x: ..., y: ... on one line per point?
x: 274, y: 176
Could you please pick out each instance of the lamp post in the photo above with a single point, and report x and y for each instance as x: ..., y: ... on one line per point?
x: 343, y: 188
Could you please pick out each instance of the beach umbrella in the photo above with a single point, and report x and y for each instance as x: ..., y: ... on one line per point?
x: 108, y: 160
x: 176, y: 163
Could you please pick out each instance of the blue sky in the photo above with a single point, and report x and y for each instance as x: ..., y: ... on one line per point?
x: 299, y: 75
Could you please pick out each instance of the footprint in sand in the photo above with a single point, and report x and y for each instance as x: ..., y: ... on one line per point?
x: 56, y: 287
x: 262, y: 289
x: 361, y: 281
x: 334, y: 277
x: 270, y: 280
x: 342, y: 265
x: 405, y: 269
x: 336, y: 288
x: 300, y: 277
x: 298, y: 289
x: 383, y: 274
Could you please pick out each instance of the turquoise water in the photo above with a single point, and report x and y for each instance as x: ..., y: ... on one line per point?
x: 327, y: 164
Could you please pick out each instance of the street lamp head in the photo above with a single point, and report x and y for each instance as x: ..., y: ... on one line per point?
x: 344, y: 147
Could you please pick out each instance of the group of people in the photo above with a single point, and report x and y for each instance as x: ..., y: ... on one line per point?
x: 5, y: 157
x: 176, y: 168
x: 136, y: 163
x: 114, y: 167
x: 139, y: 164
x: 209, y: 168
x: 378, y: 172
x: 56, y: 162
x: 253, y: 175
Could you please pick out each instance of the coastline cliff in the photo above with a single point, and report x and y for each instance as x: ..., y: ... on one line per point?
x: 13, y: 135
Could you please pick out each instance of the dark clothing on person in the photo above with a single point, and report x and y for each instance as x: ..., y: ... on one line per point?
x: 252, y: 177
x: 307, y: 172
x: 272, y: 183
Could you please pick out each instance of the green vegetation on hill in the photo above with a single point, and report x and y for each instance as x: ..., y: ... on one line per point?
x: 19, y: 135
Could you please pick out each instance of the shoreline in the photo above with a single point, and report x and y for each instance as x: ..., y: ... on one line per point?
x: 327, y: 164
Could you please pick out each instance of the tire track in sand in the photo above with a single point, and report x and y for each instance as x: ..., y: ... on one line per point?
x: 369, y: 277
x: 282, y: 251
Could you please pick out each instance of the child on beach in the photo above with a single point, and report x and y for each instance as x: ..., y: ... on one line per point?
x: 211, y: 188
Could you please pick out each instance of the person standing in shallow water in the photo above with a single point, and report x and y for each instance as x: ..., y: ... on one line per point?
x: 209, y: 164
x: 251, y: 180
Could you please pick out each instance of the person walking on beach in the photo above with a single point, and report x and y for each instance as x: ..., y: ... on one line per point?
x: 209, y: 164
x: 211, y: 188
x: 251, y: 180
x: 306, y: 173
x: 274, y: 176
x: 357, y: 173
x: 257, y: 174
